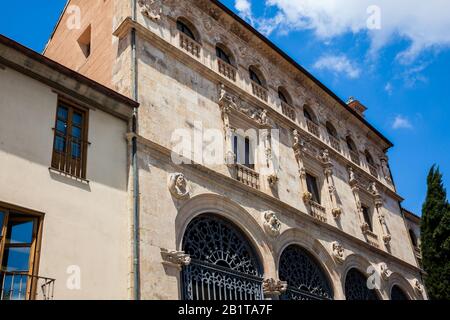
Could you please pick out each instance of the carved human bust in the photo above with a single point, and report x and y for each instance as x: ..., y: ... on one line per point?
x: 338, y: 251
x: 178, y: 186
x: 272, y: 224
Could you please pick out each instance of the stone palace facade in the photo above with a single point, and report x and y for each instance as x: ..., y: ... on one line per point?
x: 306, y: 208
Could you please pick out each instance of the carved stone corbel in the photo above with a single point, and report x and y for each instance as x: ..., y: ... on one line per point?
x: 338, y: 252
x: 271, y: 223
x: 177, y: 259
x: 272, y: 287
x: 151, y: 9
x: 418, y: 287
x: 385, y: 272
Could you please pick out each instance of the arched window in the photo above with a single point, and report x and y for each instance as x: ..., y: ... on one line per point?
x: 398, y: 294
x: 222, y: 55
x: 350, y: 144
x: 331, y: 130
x: 182, y: 27
x: 356, y: 287
x: 308, y: 114
x: 369, y: 158
x: 255, y: 77
x: 224, y: 265
x: 305, y: 278
x: 284, y: 95
x: 413, y: 237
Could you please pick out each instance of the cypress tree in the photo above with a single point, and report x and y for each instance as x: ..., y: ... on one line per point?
x: 435, y: 234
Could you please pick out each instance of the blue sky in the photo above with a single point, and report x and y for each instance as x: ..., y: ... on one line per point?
x: 400, y: 71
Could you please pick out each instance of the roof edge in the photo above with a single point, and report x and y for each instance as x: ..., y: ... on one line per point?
x: 67, y: 71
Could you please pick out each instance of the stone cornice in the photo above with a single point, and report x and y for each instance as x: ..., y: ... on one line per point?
x: 227, y: 182
x: 275, y: 54
x: 126, y: 26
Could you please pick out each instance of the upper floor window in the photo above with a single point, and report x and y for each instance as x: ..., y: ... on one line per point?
x: 182, y: 27
x: 331, y: 130
x: 413, y: 237
x: 243, y: 149
x: 70, y: 145
x: 369, y: 158
x: 255, y: 77
x: 284, y: 97
x: 308, y: 114
x: 367, y: 217
x: 350, y: 144
x: 222, y: 55
x: 313, y: 187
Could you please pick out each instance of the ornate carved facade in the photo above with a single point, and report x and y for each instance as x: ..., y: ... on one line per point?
x: 321, y: 199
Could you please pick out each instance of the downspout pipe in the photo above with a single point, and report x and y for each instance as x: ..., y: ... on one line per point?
x: 134, y: 159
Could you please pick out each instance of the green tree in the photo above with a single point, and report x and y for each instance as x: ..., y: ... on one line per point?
x: 435, y: 234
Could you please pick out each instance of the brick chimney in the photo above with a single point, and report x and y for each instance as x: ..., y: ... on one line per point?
x: 356, y: 105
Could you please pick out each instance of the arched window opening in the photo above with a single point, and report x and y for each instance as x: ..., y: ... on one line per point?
x: 284, y: 96
x: 331, y: 130
x: 413, y: 237
x: 305, y: 278
x: 255, y: 77
x: 397, y: 294
x: 350, y: 144
x: 224, y: 265
x: 182, y: 27
x: 369, y: 158
x: 222, y: 55
x: 356, y: 287
x: 308, y: 115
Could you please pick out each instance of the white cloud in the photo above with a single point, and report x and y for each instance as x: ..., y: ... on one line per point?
x: 338, y: 65
x: 425, y: 24
x: 245, y: 9
x: 401, y: 122
x: 389, y: 88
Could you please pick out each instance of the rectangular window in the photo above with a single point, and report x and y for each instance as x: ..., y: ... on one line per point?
x: 18, y: 243
x: 313, y: 188
x: 367, y: 218
x: 243, y: 149
x: 70, y: 145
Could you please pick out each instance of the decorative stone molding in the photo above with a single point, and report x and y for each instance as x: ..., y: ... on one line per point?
x: 418, y: 286
x: 178, y: 186
x: 272, y: 224
x: 385, y: 272
x: 272, y: 179
x: 174, y: 258
x: 336, y: 212
x: 229, y: 103
x: 274, y: 287
x: 337, y: 251
x: 152, y: 9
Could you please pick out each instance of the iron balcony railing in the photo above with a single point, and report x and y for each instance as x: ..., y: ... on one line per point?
x: 23, y: 286
x: 69, y: 155
x: 204, y: 281
x: 298, y: 294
